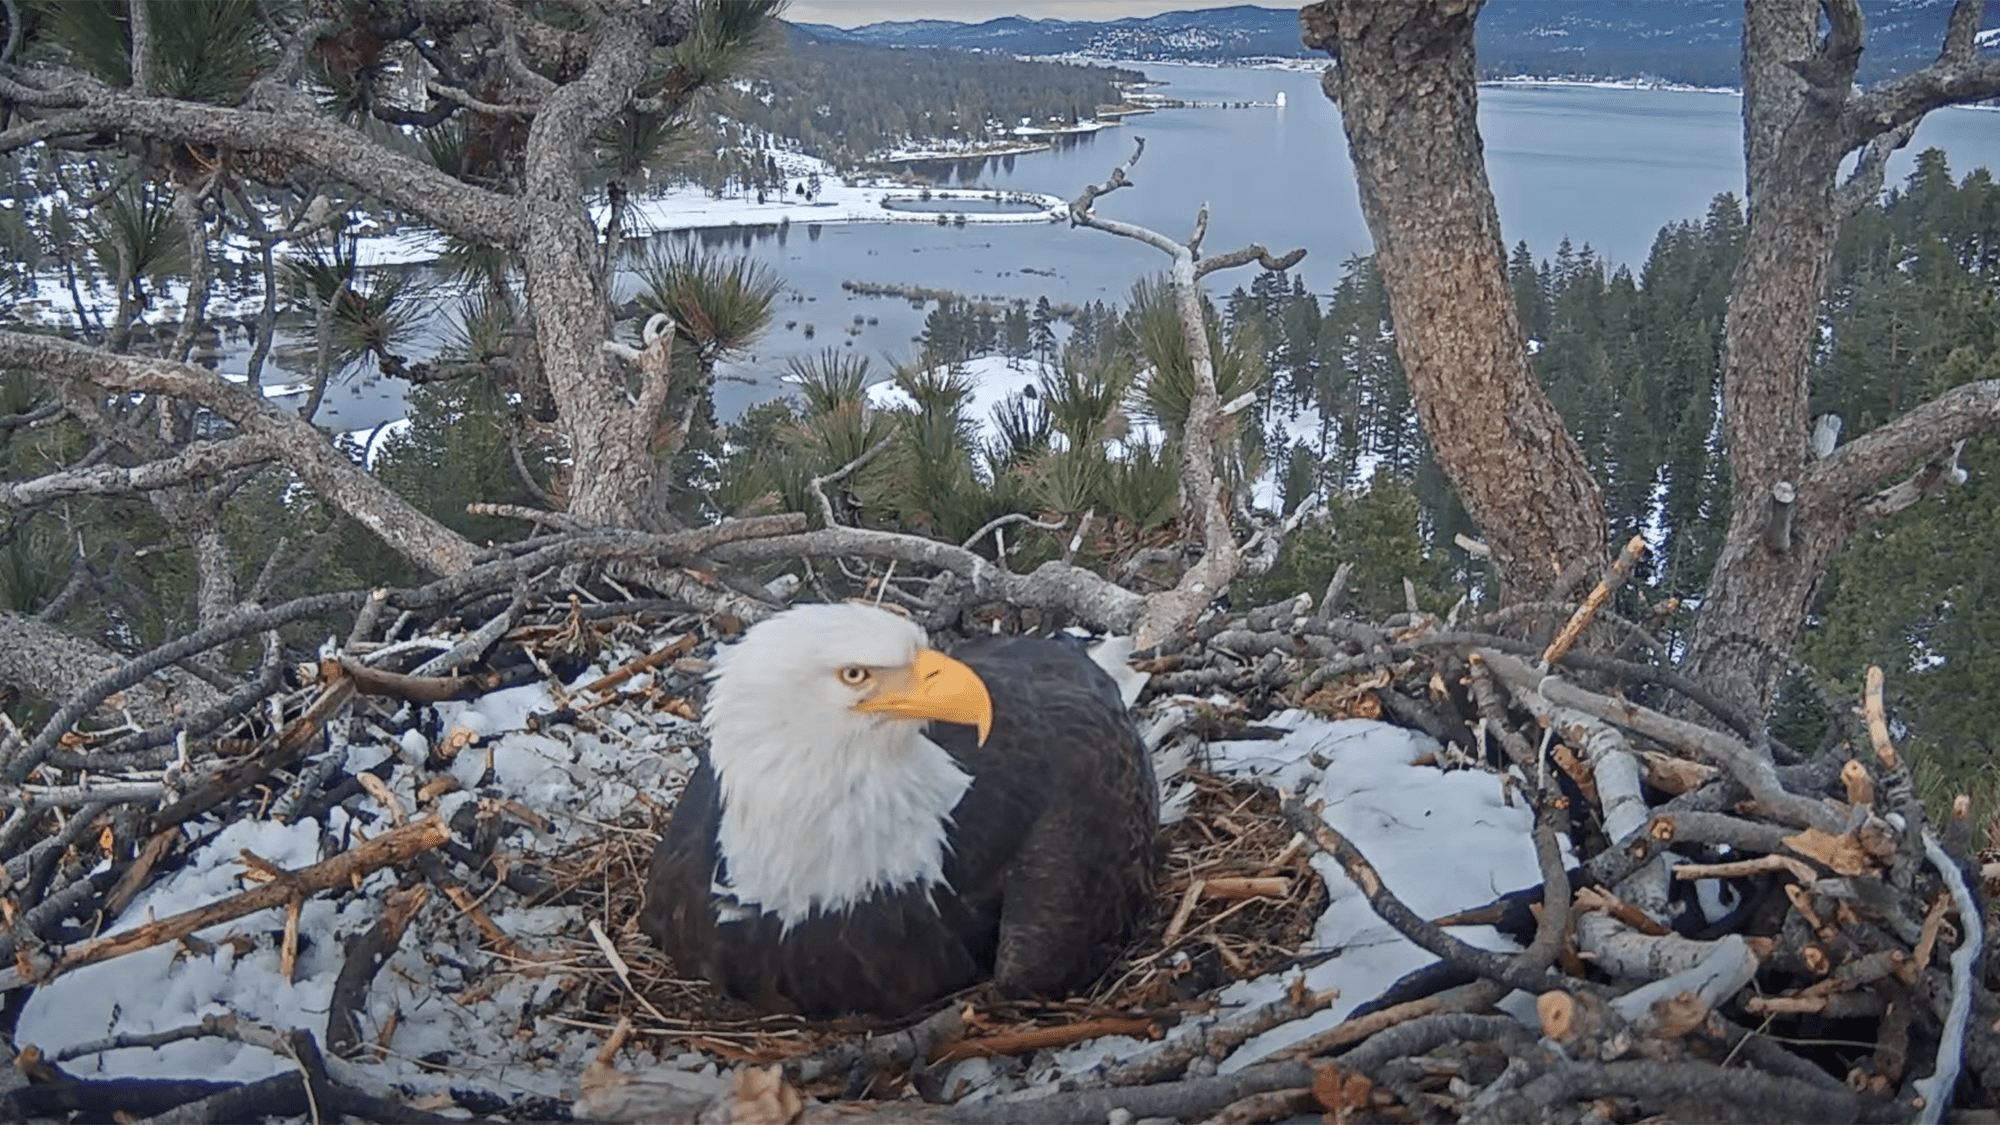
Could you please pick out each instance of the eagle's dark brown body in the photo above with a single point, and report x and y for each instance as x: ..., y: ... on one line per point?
x: 1049, y: 864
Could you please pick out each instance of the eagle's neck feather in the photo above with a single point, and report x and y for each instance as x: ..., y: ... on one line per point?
x: 822, y: 827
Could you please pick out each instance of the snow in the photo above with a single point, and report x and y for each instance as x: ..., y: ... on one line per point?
x: 687, y: 206
x: 577, y: 786
x: 992, y: 379
x: 1443, y: 841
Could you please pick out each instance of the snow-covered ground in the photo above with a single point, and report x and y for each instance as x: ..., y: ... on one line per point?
x: 1443, y: 841
x: 689, y: 206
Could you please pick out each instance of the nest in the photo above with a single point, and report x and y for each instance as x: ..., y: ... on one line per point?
x: 1237, y: 899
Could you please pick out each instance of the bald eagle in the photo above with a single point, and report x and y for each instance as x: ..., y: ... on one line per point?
x: 877, y: 824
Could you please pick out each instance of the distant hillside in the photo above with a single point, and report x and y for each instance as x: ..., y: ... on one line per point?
x: 1692, y: 41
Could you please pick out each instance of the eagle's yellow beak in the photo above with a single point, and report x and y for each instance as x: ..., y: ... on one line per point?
x: 934, y: 686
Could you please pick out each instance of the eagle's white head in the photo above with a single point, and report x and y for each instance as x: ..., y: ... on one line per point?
x: 830, y: 792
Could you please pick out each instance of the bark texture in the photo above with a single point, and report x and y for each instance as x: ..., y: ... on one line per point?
x: 609, y: 433
x: 53, y: 664
x: 1801, y: 117
x: 1404, y: 79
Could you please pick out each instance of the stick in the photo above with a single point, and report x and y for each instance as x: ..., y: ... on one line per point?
x: 288, y: 950
x: 1798, y: 869
x: 273, y: 753
x: 623, y: 970
x: 1183, y: 912
x: 819, y: 483
x: 879, y: 1051
x: 1029, y: 1040
x: 1394, y: 911
x: 367, y: 952
x: 670, y: 651
x: 1878, y: 720
x: 392, y: 847
x: 1354, y: 1030
x: 1620, y: 570
x: 1750, y: 765
x: 1170, y: 1058
x: 134, y: 879
x: 1247, y: 886
x: 1936, y: 1089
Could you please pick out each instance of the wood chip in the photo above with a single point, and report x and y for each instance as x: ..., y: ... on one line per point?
x: 1673, y: 775
x: 288, y: 951
x: 1234, y: 887
x: 1860, y: 786
x: 1183, y: 912
x: 1843, y: 854
x: 378, y: 789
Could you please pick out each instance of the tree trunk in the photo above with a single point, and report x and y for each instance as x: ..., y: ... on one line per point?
x: 609, y: 434
x: 1404, y: 79
x: 1775, y: 554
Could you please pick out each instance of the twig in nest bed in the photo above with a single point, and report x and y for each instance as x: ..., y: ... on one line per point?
x: 1254, y: 889
x: 395, y: 846
x: 1031, y: 1039
x: 1171, y: 1058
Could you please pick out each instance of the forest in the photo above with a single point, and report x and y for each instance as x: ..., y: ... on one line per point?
x: 370, y: 733
x: 851, y: 103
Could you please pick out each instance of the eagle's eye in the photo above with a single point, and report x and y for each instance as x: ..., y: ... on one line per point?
x: 854, y: 675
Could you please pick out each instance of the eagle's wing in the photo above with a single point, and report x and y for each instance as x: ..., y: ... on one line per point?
x: 679, y: 912
x: 1077, y: 872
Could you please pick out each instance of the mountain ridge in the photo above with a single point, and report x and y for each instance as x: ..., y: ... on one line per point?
x: 1697, y: 42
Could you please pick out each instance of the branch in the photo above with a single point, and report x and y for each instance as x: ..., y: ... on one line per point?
x: 1847, y: 477
x: 1748, y: 765
x: 998, y: 522
x: 1864, y: 184
x: 200, y: 459
x: 1937, y: 1088
x: 1906, y: 99
x: 1252, y: 253
x: 1053, y: 585
x: 50, y: 663
x: 1391, y: 909
x: 201, y: 640
x: 318, y: 142
x: 1693, y: 1091
x: 454, y: 94
x: 344, y: 486
x: 394, y: 846
x: 819, y: 483
x: 1201, y: 486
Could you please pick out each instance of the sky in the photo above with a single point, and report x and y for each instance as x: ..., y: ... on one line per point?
x: 854, y: 13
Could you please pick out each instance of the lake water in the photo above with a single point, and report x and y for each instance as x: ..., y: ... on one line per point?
x: 1607, y: 167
